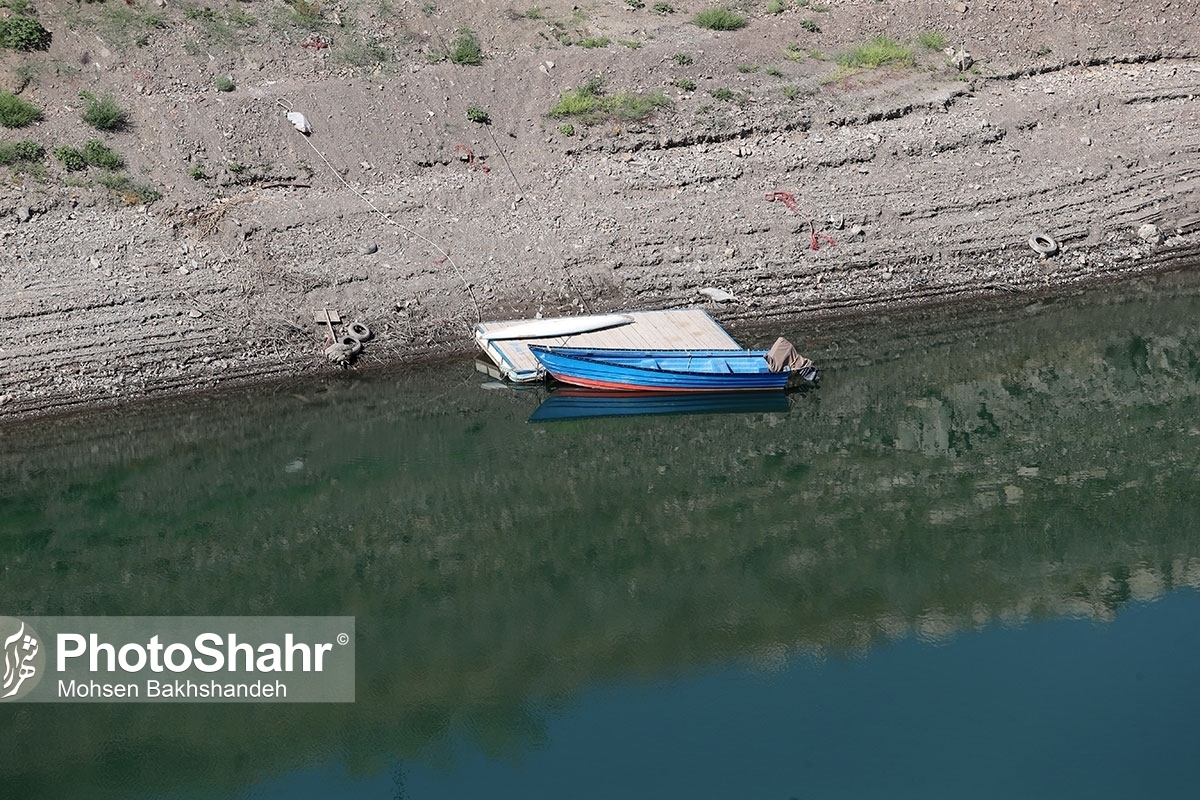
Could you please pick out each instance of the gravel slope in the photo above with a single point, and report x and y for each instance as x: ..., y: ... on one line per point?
x: 1077, y: 120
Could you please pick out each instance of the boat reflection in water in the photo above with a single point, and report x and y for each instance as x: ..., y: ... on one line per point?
x: 574, y: 403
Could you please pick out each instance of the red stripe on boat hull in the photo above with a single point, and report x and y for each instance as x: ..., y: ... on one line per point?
x: 638, y: 387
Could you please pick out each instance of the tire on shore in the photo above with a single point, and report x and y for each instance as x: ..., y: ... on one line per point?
x: 1044, y: 243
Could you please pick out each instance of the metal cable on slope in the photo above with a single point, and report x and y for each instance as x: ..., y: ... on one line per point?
x: 521, y: 191
x: 386, y: 218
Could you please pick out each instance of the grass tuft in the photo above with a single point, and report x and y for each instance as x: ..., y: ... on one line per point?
x: 96, y: 153
x: 465, y: 49
x: 879, y: 52
x: 131, y: 192
x: 15, y: 112
x: 103, y: 113
x: 720, y: 19
x: 932, y: 40
x: 589, y: 104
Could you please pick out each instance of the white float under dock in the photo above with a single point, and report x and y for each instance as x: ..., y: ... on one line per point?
x: 678, y: 329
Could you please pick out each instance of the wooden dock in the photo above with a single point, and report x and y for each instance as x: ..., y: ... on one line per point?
x: 680, y: 329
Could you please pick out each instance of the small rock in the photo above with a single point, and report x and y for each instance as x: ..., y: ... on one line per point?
x: 857, y: 230
x: 23, y: 214
x: 183, y: 270
x: 195, y: 313
x: 960, y: 8
x: 1086, y: 141
x: 367, y: 248
x: 1150, y: 233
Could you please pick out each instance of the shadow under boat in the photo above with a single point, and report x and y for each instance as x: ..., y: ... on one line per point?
x: 573, y: 403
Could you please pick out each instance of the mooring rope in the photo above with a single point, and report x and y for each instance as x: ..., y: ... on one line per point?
x: 388, y: 219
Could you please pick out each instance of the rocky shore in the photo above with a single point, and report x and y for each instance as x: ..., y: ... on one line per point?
x: 432, y: 194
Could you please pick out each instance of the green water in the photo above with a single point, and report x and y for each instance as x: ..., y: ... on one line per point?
x: 977, y: 513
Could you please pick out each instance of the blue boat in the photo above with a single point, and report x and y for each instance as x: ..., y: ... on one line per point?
x: 669, y: 370
x: 572, y: 403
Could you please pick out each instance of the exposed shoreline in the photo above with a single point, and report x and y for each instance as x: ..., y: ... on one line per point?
x: 1179, y: 259
x: 399, y: 212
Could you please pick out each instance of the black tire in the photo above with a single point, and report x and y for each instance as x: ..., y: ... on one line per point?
x: 358, y: 331
x: 1043, y: 243
x: 354, y: 344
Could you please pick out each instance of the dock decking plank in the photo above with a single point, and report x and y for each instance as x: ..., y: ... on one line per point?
x: 675, y: 329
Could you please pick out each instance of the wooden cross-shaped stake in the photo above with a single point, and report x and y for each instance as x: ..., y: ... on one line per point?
x: 329, y: 318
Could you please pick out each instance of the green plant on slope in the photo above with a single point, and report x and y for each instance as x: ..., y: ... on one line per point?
x: 70, y: 157
x: 933, y: 40
x: 879, y: 52
x: 20, y: 32
x: 103, y: 113
x: 589, y: 104
x: 130, y: 191
x: 24, y: 151
x: 720, y: 19
x: 465, y: 49
x: 15, y: 112
x: 96, y: 153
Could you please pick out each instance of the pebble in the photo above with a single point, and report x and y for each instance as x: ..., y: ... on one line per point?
x: 1150, y: 233
x: 367, y: 248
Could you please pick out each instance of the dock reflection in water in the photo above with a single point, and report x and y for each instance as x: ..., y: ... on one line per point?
x: 979, y: 531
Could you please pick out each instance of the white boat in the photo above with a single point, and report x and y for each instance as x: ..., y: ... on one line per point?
x: 552, y: 327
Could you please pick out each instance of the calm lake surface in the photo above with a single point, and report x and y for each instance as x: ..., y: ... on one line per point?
x: 965, y: 566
